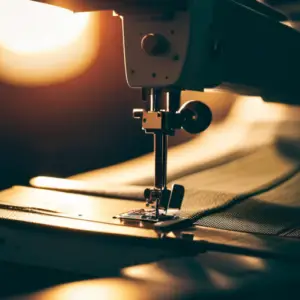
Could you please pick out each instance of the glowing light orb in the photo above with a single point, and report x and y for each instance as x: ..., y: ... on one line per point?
x: 27, y: 27
x: 44, y: 44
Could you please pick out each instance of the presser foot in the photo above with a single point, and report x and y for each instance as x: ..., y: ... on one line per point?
x: 165, y: 206
x: 148, y: 215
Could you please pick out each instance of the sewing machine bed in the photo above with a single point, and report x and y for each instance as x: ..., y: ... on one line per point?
x: 77, y: 233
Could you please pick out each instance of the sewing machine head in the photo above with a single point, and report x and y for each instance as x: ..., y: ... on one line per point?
x: 198, y: 45
x: 175, y: 45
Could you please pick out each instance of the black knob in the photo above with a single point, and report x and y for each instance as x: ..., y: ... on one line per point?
x: 196, y: 116
x: 155, y: 44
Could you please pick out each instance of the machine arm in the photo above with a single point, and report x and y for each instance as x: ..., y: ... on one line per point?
x: 204, y: 44
x: 93, y: 5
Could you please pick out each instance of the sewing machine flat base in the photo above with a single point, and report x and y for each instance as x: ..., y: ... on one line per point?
x: 78, y: 233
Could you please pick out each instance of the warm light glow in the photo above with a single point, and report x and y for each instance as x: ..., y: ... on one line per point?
x: 254, y: 109
x: 57, y: 183
x: 42, y: 44
x: 27, y: 27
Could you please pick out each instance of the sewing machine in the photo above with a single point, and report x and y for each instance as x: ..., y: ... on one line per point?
x: 171, y: 46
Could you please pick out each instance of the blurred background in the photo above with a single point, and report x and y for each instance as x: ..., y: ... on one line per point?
x: 65, y: 106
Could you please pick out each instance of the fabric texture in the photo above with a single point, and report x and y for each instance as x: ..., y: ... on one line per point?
x: 257, y: 192
x: 273, y: 212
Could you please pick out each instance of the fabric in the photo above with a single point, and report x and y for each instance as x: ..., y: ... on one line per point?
x: 274, y: 212
x: 247, y: 194
x: 257, y: 192
x: 129, y: 192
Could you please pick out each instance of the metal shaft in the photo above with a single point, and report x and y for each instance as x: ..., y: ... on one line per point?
x: 160, y: 143
x: 160, y: 152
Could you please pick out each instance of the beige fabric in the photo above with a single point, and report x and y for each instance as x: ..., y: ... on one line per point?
x: 242, y: 175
